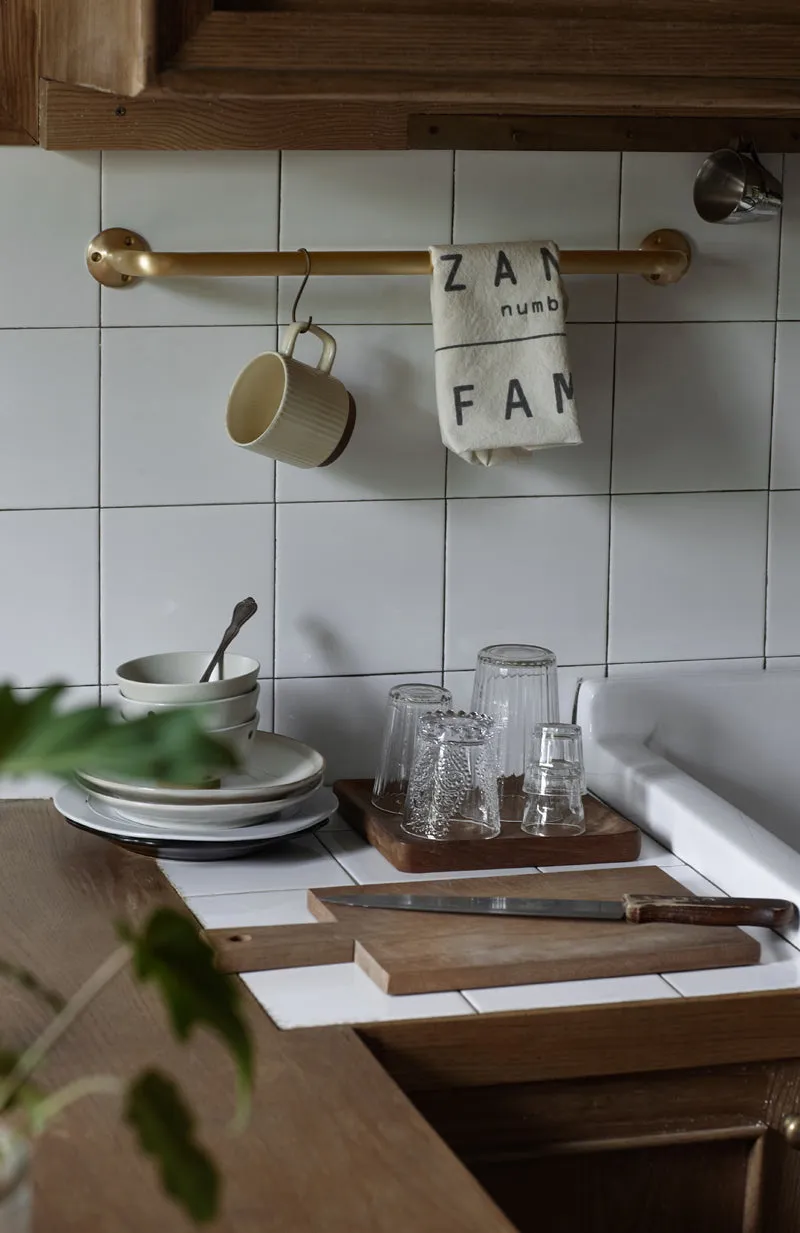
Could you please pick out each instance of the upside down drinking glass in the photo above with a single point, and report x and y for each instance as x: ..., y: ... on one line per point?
x: 452, y: 792
x: 405, y: 706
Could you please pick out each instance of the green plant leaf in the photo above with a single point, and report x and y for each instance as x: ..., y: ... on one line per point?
x: 170, y: 952
x: 164, y: 1127
x: 37, y: 738
x: 27, y: 1096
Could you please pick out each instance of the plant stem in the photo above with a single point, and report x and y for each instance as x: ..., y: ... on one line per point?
x: 89, y: 1085
x: 32, y: 1056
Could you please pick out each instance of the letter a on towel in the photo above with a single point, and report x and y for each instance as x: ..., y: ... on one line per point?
x: 503, y: 380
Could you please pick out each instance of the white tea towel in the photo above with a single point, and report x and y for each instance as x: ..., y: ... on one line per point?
x: 503, y: 380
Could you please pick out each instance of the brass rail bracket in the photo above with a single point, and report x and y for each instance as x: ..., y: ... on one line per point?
x: 120, y: 258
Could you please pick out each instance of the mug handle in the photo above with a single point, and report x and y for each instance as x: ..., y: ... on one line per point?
x: 328, y: 343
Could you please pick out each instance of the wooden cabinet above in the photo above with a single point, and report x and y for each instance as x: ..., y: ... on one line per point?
x: 316, y: 74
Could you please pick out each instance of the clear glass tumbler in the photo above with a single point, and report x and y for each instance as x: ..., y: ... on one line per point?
x: 452, y: 793
x: 559, y: 746
x: 405, y: 705
x: 518, y: 687
x: 553, y: 802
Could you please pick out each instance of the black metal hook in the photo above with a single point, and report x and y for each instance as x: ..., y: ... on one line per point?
x: 302, y: 288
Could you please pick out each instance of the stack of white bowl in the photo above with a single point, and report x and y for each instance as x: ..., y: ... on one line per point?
x: 226, y: 706
x: 274, y: 792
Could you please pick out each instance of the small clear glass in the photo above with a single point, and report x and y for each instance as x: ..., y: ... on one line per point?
x: 517, y: 685
x: 553, y: 802
x: 452, y: 792
x: 559, y: 746
x: 405, y: 705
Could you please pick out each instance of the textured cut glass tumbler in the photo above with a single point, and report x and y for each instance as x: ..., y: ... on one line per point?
x: 553, y: 802
x: 518, y: 687
x: 405, y: 706
x: 452, y: 793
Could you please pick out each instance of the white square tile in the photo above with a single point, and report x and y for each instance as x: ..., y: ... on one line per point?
x: 294, y: 865
x: 341, y: 716
x: 48, y: 621
x: 789, y: 297
x: 569, y: 993
x: 510, y: 196
x: 693, y: 406
x: 359, y: 587
x: 194, y: 201
x: 49, y: 212
x: 48, y: 417
x: 170, y: 579
x: 527, y: 569
x: 651, y: 853
x: 778, y: 968
x: 783, y: 581
x: 396, y: 449
x: 246, y: 911
x: 342, y: 993
x: 687, y: 576
x: 460, y: 685
x: 375, y: 199
x: 41, y: 787
x: 786, y: 422
x: 681, y: 666
x: 734, y: 270
x: 573, y: 470
x: 164, y: 397
x: 367, y: 866
x: 783, y: 662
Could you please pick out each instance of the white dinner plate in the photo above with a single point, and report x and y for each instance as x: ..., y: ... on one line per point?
x: 175, y: 817
x: 74, y: 803
x: 276, y: 767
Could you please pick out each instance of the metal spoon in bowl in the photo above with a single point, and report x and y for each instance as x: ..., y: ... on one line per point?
x: 241, y: 614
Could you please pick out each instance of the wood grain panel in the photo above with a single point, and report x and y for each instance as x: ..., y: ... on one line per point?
x: 11, y: 133
x: 18, y: 70
x: 107, y: 44
x: 477, y: 1050
x: 311, y: 42
x: 323, y: 1108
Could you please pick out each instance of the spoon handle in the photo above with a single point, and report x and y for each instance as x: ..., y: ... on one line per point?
x: 241, y: 613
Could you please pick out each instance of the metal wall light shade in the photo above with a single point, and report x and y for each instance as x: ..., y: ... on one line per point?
x: 734, y: 186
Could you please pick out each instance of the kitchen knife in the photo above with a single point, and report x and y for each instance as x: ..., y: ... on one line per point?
x: 635, y: 909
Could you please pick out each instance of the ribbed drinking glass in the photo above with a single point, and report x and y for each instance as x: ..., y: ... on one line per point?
x: 452, y: 793
x: 553, y: 802
x: 517, y: 685
x: 405, y: 705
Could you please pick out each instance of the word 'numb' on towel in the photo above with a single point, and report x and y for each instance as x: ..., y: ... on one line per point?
x: 503, y: 381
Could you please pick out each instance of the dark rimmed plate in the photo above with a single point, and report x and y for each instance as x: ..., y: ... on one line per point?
x: 187, y: 850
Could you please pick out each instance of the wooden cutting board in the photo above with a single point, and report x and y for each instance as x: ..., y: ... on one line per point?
x: 417, y: 952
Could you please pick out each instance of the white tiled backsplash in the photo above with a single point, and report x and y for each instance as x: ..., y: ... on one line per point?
x: 129, y: 524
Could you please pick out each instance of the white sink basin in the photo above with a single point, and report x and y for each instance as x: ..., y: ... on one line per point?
x: 709, y: 764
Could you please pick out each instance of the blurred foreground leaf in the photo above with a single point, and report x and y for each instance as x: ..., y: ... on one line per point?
x: 170, y: 952
x: 164, y: 1127
x: 37, y: 738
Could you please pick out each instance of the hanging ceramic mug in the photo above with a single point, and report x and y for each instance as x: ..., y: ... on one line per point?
x: 734, y: 186
x: 292, y: 411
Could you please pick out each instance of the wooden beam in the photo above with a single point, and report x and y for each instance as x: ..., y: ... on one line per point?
x: 625, y: 1038
x: 521, y: 132
x: 389, y: 41
x: 106, y: 44
x: 18, y: 72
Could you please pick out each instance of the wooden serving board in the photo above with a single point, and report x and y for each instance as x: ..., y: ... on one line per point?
x: 608, y: 838
x: 418, y: 952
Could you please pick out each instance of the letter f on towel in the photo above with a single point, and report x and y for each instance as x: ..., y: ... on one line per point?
x: 503, y: 380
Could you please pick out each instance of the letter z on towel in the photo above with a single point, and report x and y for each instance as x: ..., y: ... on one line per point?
x: 503, y: 380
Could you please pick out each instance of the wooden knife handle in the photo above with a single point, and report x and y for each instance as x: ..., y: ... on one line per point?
x: 648, y: 909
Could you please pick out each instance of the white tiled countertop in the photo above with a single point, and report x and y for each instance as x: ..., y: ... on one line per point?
x: 271, y: 890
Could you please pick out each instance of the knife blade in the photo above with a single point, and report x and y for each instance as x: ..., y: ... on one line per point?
x: 634, y: 909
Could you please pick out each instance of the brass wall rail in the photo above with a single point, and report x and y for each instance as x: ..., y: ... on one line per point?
x: 118, y: 257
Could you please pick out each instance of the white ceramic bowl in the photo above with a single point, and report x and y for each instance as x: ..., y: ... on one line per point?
x: 174, y: 677
x: 218, y: 713
x: 238, y: 739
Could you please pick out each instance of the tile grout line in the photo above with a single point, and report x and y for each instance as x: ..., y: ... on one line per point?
x: 274, y: 465
x: 773, y: 393
x: 446, y: 502
x: 613, y: 418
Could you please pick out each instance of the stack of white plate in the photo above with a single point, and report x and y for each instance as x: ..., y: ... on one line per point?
x: 276, y: 792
